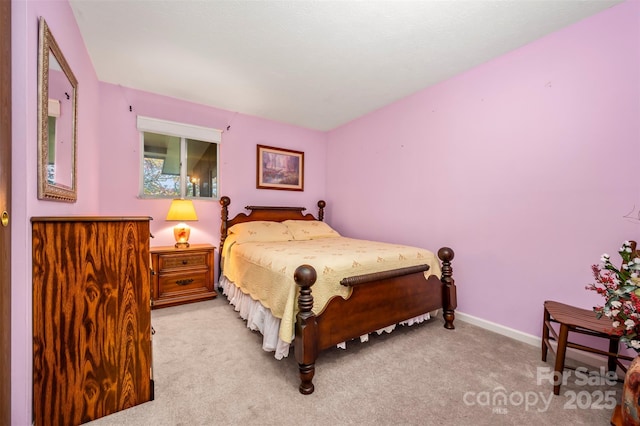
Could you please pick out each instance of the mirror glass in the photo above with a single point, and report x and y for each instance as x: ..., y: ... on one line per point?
x: 57, y: 112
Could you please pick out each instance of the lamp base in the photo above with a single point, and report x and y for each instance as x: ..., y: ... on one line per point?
x: 181, y: 232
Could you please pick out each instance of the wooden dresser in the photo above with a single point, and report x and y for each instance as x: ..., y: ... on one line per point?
x: 182, y: 275
x: 91, y: 317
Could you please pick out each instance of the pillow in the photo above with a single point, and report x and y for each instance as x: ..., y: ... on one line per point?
x: 310, y: 229
x: 260, y: 230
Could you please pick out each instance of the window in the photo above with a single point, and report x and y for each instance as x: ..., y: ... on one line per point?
x: 179, y: 160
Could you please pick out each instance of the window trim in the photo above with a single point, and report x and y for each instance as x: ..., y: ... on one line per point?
x: 181, y: 130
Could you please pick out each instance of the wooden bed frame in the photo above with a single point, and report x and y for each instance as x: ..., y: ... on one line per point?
x: 378, y: 300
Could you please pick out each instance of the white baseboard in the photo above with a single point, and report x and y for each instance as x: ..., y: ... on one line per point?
x: 588, y: 358
x: 500, y: 329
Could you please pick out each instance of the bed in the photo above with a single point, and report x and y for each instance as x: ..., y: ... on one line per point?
x: 357, y: 304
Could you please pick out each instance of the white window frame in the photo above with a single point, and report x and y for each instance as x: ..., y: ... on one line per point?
x: 183, y: 131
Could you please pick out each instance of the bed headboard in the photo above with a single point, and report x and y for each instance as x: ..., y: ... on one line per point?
x: 275, y: 214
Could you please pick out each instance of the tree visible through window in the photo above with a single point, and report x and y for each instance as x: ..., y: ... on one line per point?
x: 157, y: 183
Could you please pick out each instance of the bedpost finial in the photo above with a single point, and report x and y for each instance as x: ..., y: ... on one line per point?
x: 321, y: 206
x: 225, y: 201
x: 446, y: 254
x: 305, y: 275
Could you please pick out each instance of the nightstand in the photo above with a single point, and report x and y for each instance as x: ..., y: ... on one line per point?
x: 182, y: 275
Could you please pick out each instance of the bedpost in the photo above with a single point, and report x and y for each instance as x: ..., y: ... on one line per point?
x: 321, y: 206
x: 224, y: 215
x: 306, y: 341
x: 449, y: 299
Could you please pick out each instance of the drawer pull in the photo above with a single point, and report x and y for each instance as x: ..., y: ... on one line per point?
x: 184, y: 262
x: 184, y: 282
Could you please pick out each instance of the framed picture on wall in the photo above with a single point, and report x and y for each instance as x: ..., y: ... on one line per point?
x: 279, y: 168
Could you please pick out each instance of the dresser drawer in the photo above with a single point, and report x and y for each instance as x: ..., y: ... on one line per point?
x: 182, y: 261
x: 183, y: 283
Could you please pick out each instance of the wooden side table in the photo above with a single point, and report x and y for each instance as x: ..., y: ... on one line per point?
x: 581, y: 321
x: 182, y: 275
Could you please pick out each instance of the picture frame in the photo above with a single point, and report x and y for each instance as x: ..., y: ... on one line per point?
x: 279, y: 168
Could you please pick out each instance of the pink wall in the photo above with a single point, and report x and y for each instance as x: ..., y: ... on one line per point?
x: 524, y: 166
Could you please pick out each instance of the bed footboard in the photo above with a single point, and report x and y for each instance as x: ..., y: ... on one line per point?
x: 377, y: 301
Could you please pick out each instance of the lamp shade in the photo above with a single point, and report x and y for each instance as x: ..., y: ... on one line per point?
x: 182, y: 210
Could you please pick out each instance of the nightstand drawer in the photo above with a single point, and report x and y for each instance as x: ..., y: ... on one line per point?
x: 182, y: 275
x: 182, y: 283
x: 182, y: 261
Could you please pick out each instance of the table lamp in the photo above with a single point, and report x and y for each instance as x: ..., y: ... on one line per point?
x: 182, y: 210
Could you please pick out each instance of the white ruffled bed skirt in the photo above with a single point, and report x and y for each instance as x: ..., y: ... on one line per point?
x: 260, y: 318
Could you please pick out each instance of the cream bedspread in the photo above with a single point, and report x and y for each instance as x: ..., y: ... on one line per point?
x: 265, y: 270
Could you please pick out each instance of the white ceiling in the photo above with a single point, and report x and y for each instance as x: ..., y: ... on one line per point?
x: 312, y: 63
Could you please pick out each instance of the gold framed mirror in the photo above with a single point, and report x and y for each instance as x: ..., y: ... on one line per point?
x: 57, y: 114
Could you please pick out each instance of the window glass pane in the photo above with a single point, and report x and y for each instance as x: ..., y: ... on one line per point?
x: 202, y: 169
x: 161, y: 176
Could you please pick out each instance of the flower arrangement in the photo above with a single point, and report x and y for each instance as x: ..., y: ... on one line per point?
x: 621, y: 290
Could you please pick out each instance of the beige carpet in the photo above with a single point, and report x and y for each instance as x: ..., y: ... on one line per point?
x: 209, y: 369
